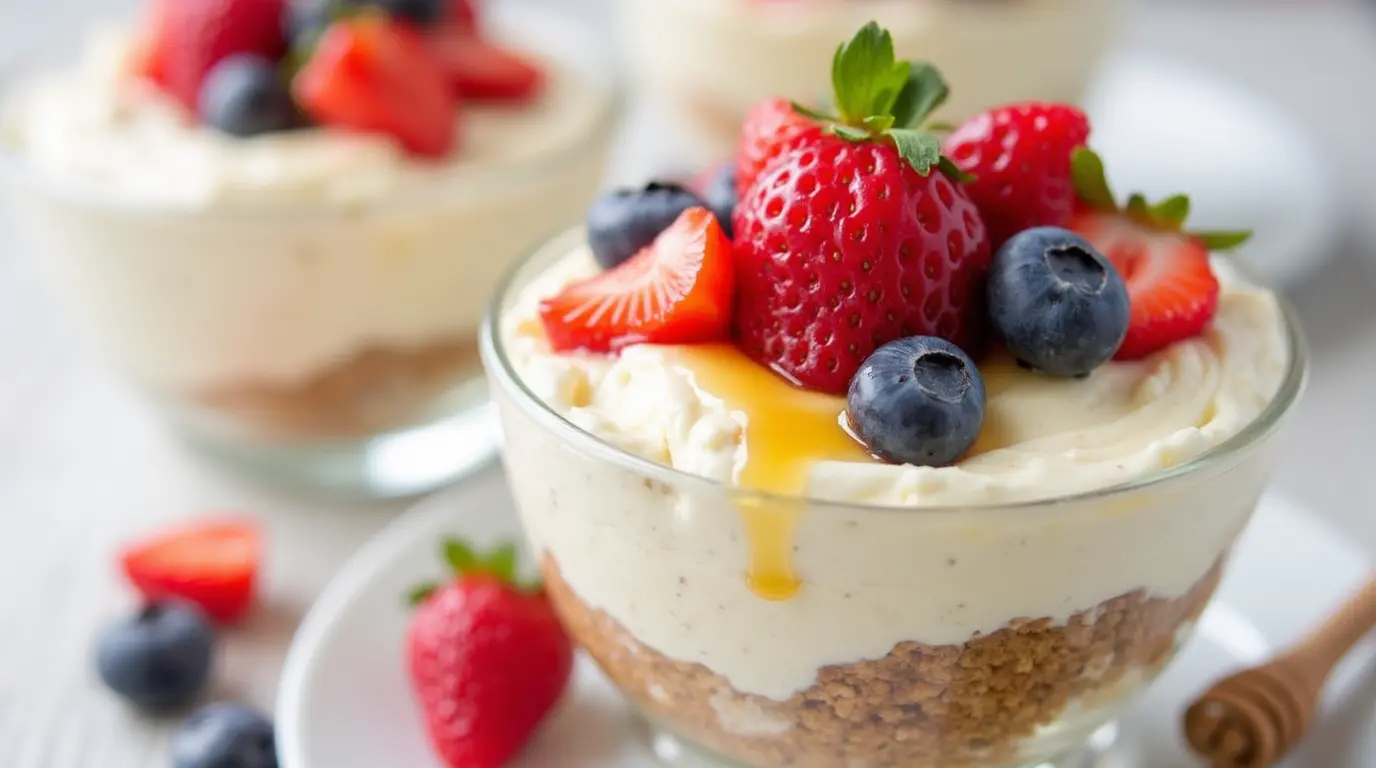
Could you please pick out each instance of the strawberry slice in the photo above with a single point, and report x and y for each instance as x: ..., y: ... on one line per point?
x: 479, y: 70
x: 369, y: 74
x: 1172, y: 289
x: 678, y: 290
x: 213, y: 564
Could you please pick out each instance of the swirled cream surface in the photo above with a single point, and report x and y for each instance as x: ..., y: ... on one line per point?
x: 854, y: 557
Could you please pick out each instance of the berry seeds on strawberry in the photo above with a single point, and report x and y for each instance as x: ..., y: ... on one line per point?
x: 677, y: 290
x: 1019, y: 156
x: 487, y: 656
x: 859, y: 234
x: 1172, y: 289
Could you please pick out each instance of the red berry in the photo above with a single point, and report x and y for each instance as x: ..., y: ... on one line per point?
x: 479, y: 70
x: 369, y: 74
x: 1020, y: 158
x: 488, y: 661
x: 213, y: 564
x: 192, y: 36
x: 675, y: 291
x: 1172, y: 289
x: 770, y: 128
x: 463, y: 14
x: 842, y: 247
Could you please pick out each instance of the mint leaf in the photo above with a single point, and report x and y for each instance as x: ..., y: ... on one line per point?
x: 953, y: 171
x: 1222, y: 240
x: 421, y: 593
x: 1171, y: 212
x: 866, y: 79
x: 924, y: 91
x: 460, y: 557
x: 853, y: 135
x: 921, y: 150
x: 1091, y: 183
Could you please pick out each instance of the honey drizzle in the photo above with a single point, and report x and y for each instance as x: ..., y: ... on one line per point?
x: 787, y: 430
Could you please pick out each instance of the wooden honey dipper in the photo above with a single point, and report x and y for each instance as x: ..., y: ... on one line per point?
x: 1253, y: 718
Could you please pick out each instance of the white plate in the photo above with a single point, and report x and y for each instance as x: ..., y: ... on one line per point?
x: 1163, y: 128
x: 344, y: 701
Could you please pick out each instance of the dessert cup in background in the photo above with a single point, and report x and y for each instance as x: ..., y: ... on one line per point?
x: 304, y: 303
x: 960, y: 633
x: 706, y: 62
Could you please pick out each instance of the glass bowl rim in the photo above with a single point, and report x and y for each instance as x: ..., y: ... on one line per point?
x: 473, y: 184
x: 500, y: 368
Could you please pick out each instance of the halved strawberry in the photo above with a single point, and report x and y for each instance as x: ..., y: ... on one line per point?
x: 1172, y: 289
x: 192, y: 36
x: 678, y: 290
x: 479, y: 70
x: 213, y: 564
x: 370, y: 74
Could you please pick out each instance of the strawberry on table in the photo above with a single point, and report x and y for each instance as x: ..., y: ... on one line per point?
x: 187, y: 38
x: 677, y: 290
x: 213, y: 564
x: 1172, y: 289
x: 859, y: 234
x: 487, y: 656
x: 368, y: 73
x: 1019, y: 156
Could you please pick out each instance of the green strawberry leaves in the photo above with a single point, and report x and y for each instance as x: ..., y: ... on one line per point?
x: 463, y: 560
x: 1091, y: 184
x: 880, y: 98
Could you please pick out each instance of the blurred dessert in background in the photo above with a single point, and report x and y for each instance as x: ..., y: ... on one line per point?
x: 709, y: 61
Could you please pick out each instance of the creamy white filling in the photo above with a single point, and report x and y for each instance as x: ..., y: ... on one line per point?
x: 669, y: 563
x: 202, y: 260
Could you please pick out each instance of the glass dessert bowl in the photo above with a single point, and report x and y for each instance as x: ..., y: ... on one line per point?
x: 306, y: 301
x: 778, y: 500
x: 992, y: 53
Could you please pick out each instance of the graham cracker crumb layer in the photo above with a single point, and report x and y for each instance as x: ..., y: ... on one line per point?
x: 933, y: 706
x: 376, y: 390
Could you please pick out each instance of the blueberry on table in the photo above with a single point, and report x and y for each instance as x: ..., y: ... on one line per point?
x: 918, y: 400
x: 721, y: 195
x: 246, y: 95
x: 158, y: 659
x: 623, y: 221
x: 225, y: 736
x: 1057, y: 303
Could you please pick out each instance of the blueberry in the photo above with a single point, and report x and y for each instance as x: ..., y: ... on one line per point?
x: 423, y: 12
x: 1056, y: 302
x: 721, y: 196
x: 303, y: 21
x: 623, y: 221
x: 158, y: 659
x: 246, y: 95
x: 918, y: 400
x: 225, y: 736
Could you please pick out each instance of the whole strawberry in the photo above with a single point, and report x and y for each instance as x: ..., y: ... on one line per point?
x: 1172, y: 289
x: 1019, y: 156
x: 859, y: 235
x: 488, y: 658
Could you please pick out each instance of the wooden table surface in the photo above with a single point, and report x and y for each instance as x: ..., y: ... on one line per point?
x: 83, y: 464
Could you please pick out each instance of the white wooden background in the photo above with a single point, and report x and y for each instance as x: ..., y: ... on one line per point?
x: 83, y: 466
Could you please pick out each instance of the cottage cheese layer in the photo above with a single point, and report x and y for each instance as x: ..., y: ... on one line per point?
x: 204, y: 261
x: 669, y: 563
x: 718, y: 57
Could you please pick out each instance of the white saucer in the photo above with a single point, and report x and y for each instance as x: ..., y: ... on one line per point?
x: 344, y: 701
x: 1163, y: 128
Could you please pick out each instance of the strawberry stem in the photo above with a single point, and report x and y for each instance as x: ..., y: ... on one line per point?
x: 1169, y: 215
x: 880, y: 98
